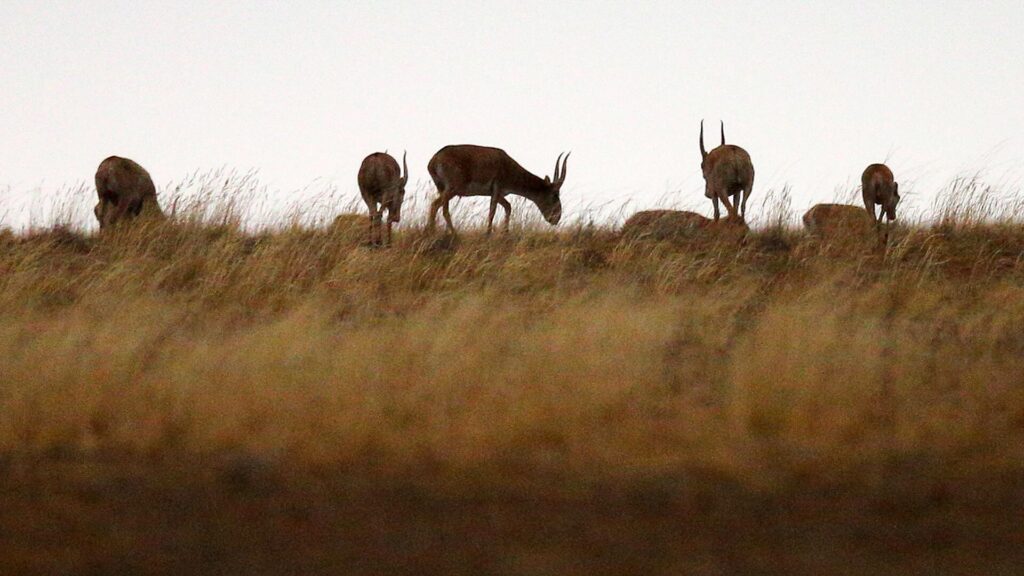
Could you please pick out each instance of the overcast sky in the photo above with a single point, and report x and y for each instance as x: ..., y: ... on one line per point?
x: 302, y: 91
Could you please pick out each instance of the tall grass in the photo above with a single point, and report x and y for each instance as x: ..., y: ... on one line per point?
x: 257, y: 384
x: 556, y: 351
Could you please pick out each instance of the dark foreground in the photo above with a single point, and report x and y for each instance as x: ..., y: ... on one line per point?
x: 67, y: 516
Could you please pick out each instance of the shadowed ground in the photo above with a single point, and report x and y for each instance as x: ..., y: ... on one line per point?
x: 64, y: 517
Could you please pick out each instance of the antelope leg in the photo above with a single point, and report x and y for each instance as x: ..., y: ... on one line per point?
x: 728, y: 207
x: 508, y: 210
x: 448, y: 215
x: 434, y: 207
x: 374, y: 218
x: 490, y: 214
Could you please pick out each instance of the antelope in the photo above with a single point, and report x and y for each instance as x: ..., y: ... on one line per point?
x: 467, y: 170
x: 878, y: 187
x: 347, y: 221
x: 665, y: 224
x: 727, y: 172
x: 840, y: 220
x: 125, y: 191
x: 348, y: 225
x: 382, y: 186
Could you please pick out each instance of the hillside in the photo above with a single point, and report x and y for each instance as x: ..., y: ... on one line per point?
x: 192, y: 397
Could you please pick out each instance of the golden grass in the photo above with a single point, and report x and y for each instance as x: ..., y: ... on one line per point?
x: 548, y: 361
x: 565, y: 346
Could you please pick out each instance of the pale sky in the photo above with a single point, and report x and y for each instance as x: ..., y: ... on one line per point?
x: 302, y: 91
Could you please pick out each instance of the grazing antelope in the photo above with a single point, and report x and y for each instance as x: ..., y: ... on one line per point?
x: 878, y: 187
x: 466, y: 170
x: 667, y: 224
x: 840, y: 221
x: 727, y: 172
x: 382, y: 186
x: 125, y: 191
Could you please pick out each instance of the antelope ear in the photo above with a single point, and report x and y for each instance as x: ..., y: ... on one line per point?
x: 547, y: 180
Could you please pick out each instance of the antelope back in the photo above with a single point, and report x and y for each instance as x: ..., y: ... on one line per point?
x: 880, y: 187
x: 125, y: 190
x: 838, y: 220
x: 660, y: 225
x: 380, y: 180
x: 378, y: 172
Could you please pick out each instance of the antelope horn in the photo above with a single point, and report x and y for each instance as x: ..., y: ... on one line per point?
x: 565, y: 164
x: 554, y: 175
x: 703, y: 152
x: 723, y: 132
x: 405, y: 169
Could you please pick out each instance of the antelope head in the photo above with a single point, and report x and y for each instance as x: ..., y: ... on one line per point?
x: 394, y: 203
x: 550, y: 203
x: 110, y: 212
x: 889, y: 204
x: 703, y: 152
x: 101, y: 212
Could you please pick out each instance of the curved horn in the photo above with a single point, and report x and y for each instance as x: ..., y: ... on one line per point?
x: 565, y: 164
x: 723, y: 132
x: 405, y: 169
x: 554, y: 175
x: 703, y: 152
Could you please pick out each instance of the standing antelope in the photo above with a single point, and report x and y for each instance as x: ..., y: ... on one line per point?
x: 727, y: 172
x: 878, y: 187
x: 382, y: 186
x: 125, y: 191
x: 467, y: 170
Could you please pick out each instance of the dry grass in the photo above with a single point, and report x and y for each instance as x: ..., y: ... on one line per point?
x: 549, y: 365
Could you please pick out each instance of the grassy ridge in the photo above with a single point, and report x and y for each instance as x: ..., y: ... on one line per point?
x: 544, y: 364
x: 599, y: 351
